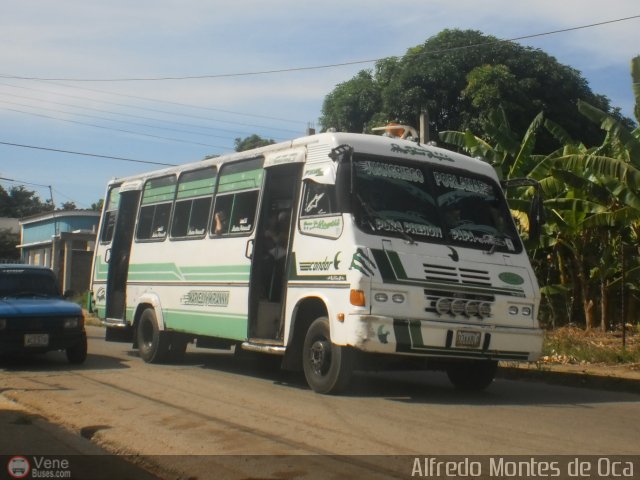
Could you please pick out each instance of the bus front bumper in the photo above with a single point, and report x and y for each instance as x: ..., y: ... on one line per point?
x: 378, y: 334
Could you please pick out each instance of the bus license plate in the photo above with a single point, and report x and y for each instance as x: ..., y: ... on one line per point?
x: 467, y: 339
x: 36, y: 339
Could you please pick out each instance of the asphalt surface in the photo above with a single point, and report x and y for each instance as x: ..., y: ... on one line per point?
x: 50, y: 448
x: 28, y: 436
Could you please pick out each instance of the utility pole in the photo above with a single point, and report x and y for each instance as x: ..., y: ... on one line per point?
x: 424, y: 127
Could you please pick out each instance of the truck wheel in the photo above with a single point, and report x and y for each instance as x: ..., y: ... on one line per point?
x: 472, y: 376
x: 327, y: 367
x: 152, y: 343
x: 78, y: 353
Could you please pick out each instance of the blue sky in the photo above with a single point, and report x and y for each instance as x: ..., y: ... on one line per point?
x: 178, y: 121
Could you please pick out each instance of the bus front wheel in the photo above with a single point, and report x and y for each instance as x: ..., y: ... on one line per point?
x: 475, y: 375
x: 327, y: 367
x: 153, y: 344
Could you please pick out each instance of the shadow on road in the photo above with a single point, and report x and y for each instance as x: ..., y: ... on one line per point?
x: 426, y: 387
x: 57, y: 362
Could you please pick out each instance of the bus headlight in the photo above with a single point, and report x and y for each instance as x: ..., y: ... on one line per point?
x: 381, y: 297
x: 458, y: 307
x: 443, y: 306
x: 397, y: 298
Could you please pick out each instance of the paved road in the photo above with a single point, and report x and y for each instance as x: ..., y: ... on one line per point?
x: 214, y: 404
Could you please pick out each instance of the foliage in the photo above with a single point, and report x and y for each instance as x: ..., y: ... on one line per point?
x: 592, y: 205
x: 352, y: 104
x: 97, y: 206
x: 253, y: 141
x: 19, y: 202
x: 573, y: 345
x: 8, y: 242
x: 462, y: 78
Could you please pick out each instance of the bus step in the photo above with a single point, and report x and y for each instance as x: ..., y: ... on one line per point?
x: 264, y: 348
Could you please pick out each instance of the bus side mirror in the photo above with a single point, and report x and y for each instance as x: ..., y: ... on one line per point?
x: 536, y: 217
x: 536, y: 207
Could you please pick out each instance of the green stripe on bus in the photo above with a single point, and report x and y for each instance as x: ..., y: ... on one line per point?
x: 227, y: 325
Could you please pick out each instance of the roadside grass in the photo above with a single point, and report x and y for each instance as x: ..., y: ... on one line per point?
x: 571, y: 345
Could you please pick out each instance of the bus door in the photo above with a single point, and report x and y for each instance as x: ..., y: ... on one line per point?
x: 271, y: 252
x: 117, y: 256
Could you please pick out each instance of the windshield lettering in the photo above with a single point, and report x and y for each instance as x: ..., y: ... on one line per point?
x: 418, y: 201
x: 458, y: 182
x: 397, y: 172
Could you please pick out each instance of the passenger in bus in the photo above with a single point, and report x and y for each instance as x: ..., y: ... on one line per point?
x: 276, y: 239
x: 277, y: 235
x: 220, y: 219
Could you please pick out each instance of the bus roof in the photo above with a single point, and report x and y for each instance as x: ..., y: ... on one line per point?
x: 362, y: 143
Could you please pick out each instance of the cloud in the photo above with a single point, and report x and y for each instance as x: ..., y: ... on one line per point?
x: 150, y: 38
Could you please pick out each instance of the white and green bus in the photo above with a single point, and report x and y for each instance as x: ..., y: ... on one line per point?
x: 334, y: 251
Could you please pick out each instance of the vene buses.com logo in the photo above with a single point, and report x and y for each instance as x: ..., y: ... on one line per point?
x: 18, y: 467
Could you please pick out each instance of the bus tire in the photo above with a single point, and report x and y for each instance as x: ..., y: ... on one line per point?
x: 327, y: 367
x: 153, y: 344
x: 472, y: 376
x: 177, y: 348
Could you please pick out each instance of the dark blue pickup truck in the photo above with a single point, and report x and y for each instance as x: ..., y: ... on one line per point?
x: 34, y: 318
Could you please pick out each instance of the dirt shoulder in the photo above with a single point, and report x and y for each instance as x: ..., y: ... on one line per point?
x: 617, y: 377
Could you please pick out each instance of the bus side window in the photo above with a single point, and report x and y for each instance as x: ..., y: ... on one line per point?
x: 234, y: 210
x: 221, y: 213
x: 110, y: 216
x: 234, y: 213
x: 244, y: 212
x: 193, y: 203
x: 318, y: 199
x: 155, y: 208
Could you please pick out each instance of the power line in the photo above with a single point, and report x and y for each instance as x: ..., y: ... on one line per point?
x: 155, y: 110
x: 136, y: 124
x: 129, y: 115
x: 51, y: 189
x: 169, y: 102
x: 170, y: 139
x: 317, y: 67
x: 95, y: 155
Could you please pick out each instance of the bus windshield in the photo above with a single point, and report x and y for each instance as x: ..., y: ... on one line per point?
x: 426, y: 203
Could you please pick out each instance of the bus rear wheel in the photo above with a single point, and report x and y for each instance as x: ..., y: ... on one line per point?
x: 472, y: 376
x: 152, y: 343
x: 327, y: 367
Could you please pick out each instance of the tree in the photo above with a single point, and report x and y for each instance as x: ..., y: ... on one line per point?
x: 460, y: 78
x: 592, y: 200
x: 8, y: 242
x: 352, y: 104
x: 97, y: 206
x: 253, y: 141
x: 68, y: 206
x: 19, y: 202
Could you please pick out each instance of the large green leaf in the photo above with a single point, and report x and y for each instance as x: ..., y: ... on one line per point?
x: 526, y: 147
x: 635, y: 77
x: 599, y: 165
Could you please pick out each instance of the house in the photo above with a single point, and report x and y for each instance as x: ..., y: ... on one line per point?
x: 62, y: 240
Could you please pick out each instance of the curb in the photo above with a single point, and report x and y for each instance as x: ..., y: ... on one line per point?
x: 573, y: 376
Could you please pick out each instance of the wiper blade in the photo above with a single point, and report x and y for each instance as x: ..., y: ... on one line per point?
x: 498, y: 241
x: 30, y: 294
